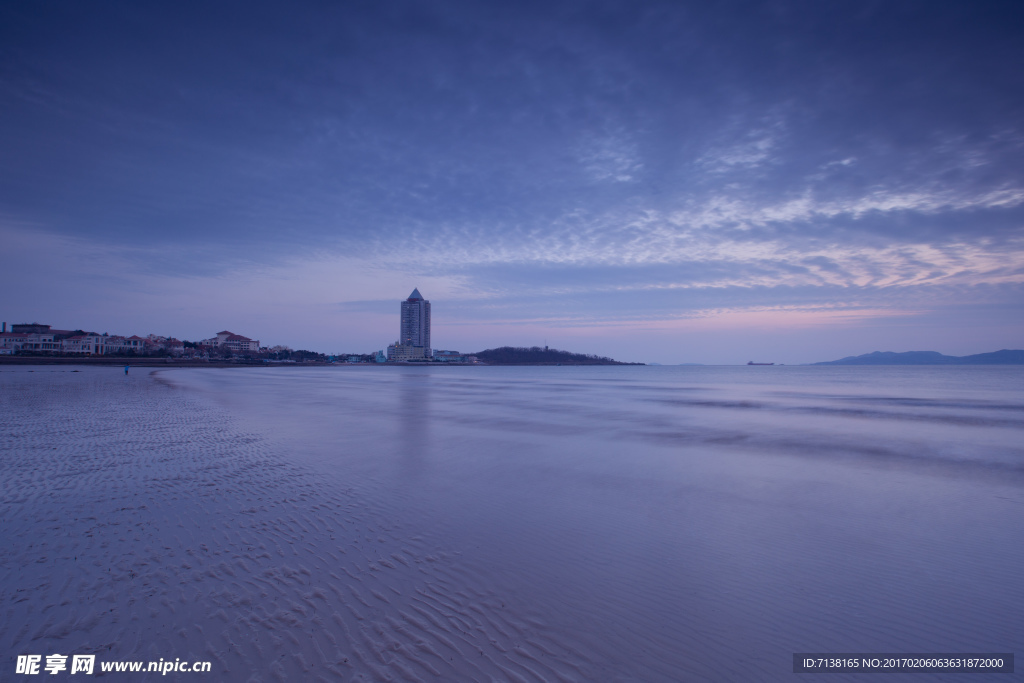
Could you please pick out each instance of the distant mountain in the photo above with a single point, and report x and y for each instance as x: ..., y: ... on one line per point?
x: 512, y: 355
x: 1004, y: 357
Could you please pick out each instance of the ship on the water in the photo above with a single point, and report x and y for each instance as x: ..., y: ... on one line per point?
x: 753, y: 363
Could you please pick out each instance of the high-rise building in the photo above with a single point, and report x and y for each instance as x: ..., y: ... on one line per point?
x: 415, y: 327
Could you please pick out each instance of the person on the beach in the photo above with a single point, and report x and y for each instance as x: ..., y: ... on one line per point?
x: 126, y: 369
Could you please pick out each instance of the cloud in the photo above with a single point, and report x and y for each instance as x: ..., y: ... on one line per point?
x: 728, y: 243
x: 755, y: 148
x: 610, y: 158
x: 627, y: 163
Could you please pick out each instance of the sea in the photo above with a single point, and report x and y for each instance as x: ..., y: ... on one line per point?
x: 584, y: 523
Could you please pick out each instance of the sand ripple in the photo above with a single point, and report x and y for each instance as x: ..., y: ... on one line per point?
x: 139, y: 523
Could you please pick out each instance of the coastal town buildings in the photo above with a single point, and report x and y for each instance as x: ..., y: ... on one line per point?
x: 36, y: 338
x: 77, y: 342
x: 32, y: 337
x: 234, y: 342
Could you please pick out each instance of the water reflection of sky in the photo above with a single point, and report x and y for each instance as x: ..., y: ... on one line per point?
x: 669, y: 516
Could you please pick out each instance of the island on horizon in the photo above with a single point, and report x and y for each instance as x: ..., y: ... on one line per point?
x: 1003, y: 357
x: 535, y: 355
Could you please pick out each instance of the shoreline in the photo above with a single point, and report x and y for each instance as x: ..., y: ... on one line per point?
x: 166, y: 363
x: 142, y: 362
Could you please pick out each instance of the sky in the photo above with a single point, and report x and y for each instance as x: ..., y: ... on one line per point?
x: 656, y: 182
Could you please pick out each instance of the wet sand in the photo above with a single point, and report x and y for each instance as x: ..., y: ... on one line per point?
x: 427, y: 525
x: 139, y: 523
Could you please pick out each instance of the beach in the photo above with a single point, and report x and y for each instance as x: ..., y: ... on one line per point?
x: 521, y: 524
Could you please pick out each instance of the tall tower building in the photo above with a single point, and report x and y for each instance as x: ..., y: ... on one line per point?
x: 415, y: 330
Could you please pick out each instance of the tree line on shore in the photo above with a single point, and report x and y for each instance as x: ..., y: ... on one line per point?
x: 535, y: 355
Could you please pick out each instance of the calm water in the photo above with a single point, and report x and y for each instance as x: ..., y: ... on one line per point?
x: 686, y: 523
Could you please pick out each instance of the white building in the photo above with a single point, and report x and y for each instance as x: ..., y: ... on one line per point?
x: 235, y: 342
x: 11, y: 342
x: 91, y: 344
x: 398, y: 352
